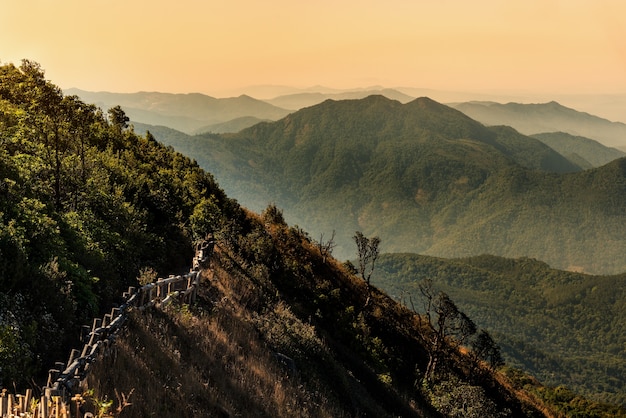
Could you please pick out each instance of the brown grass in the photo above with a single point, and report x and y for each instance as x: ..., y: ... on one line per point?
x: 356, y: 351
x: 202, y: 363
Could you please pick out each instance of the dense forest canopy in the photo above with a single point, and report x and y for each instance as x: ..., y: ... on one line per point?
x: 85, y: 206
x: 563, y: 327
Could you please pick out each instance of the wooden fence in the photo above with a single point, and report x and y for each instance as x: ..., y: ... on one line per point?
x: 65, y: 378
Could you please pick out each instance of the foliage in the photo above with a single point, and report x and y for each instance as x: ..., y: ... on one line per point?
x: 85, y: 204
x: 562, y: 327
x: 367, y: 252
x: 103, y: 408
x: 336, y: 335
x: 456, y: 398
x: 563, y: 399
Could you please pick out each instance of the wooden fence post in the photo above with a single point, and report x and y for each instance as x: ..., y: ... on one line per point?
x: 106, y: 320
x: 84, y: 333
x: 3, y: 404
x: 73, y: 356
x: 115, y: 312
x: 151, y: 294
x: 43, y: 404
x: 53, y: 374
x: 61, y: 381
x: 28, y: 397
x: 97, y: 323
x: 10, y: 404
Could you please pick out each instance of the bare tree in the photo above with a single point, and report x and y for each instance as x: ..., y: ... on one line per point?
x: 326, y: 248
x: 367, y: 250
x: 448, y: 326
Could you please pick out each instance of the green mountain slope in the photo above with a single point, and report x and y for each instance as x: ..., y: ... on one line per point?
x: 88, y: 207
x: 564, y: 328
x: 582, y: 151
x: 85, y: 206
x: 547, y: 117
x: 234, y: 125
x: 425, y: 178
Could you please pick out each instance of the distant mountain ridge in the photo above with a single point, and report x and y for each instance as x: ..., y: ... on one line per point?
x: 425, y: 178
x: 184, y: 112
x: 234, y: 125
x: 582, y: 151
x: 547, y: 117
x: 298, y: 101
x: 197, y: 113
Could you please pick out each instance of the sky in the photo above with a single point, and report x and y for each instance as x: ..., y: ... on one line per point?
x: 212, y: 47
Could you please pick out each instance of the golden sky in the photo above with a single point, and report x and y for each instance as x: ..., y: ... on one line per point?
x: 567, y: 46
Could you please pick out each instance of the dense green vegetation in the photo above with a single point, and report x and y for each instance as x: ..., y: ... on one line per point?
x: 85, y: 204
x: 425, y: 178
x: 564, y: 328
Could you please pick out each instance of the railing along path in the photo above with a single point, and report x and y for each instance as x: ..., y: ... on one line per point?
x: 64, y: 380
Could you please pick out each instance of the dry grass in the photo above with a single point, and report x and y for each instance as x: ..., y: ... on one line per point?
x: 202, y: 363
x: 354, y: 350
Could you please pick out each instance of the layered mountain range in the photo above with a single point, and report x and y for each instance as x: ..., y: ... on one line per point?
x: 198, y: 113
x: 546, y: 117
x: 426, y: 178
x: 187, y: 113
x: 90, y: 207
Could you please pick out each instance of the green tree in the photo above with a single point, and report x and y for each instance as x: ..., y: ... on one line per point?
x: 118, y: 118
x: 85, y: 203
x: 485, y: 348
x: 206, y: 218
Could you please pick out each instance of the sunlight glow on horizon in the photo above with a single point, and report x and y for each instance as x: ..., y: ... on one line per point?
x: 562, y: 46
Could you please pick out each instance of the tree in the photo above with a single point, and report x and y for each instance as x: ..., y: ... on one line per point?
x: 367, y: 251
x: 326, y: 248
x: 448, y: 326
x: 273, y: 216
x: 206, y: 218
x: 118, y: 118
x: 485, y: 348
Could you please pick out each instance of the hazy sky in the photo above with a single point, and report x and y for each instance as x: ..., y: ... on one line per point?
x: 570, y: 46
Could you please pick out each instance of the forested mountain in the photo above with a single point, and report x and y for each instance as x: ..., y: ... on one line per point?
x: 87, y: 207
x: 184, y: 112
x: 547, y: 117
x: 425, y: 178
x: 563, y: 327
x: 582, y: 151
